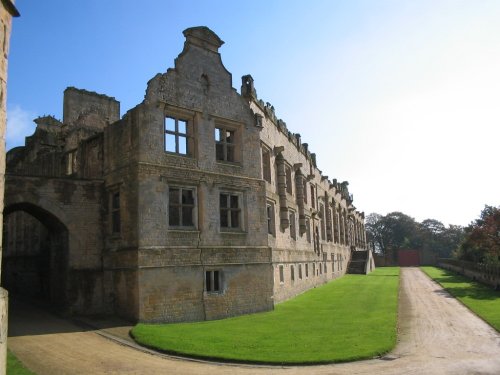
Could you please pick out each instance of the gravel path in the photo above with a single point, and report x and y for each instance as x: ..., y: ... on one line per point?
x: 438, y: 335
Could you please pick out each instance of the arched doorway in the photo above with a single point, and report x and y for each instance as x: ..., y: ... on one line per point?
x: 35, y: 254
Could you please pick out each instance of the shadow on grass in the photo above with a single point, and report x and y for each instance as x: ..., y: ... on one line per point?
x: 468, y: 288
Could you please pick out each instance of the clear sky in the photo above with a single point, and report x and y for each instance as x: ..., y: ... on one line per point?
x: 401, y: 98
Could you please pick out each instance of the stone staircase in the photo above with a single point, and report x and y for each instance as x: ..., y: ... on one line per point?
x: 357, y: 265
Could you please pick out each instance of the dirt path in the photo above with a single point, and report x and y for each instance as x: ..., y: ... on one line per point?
x: 437, y: 336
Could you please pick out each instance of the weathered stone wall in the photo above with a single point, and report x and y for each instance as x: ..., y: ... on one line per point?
x: 172, y: 260
x: 105, y: 184
x: 83, y: 107
x: 73, y: 206
x: 7, y: 11
x: 313, y: 201
x: 485, y: 274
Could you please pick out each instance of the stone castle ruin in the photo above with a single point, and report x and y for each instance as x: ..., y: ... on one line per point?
x: 197, y: 204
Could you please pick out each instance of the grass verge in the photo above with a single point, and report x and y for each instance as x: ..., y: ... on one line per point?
x: 15, y: 367
x: 351, y: 318
x: 481, y: 299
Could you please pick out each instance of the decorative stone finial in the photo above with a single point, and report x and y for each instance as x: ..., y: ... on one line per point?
x: 203, y: 37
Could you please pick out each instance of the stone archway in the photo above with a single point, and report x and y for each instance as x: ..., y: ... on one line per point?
x: 35, y: 254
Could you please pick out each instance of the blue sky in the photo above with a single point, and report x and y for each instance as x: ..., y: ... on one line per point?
x: 401, y: 98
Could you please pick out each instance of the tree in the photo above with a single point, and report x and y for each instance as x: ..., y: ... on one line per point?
x: 482, y: 238
x: 438, y: 239
x: 374, y: 232
x: 391, y: 232
x: 396, y: 230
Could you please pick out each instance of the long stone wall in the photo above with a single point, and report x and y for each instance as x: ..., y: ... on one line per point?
x: 483, y: 273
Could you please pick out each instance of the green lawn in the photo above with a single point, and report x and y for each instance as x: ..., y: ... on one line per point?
x: 351, y: 318
x: 15, y: 367
x: 481, y: 299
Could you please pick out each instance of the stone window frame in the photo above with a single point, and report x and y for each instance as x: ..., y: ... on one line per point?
x: 266, y: 163
x: 313, y: 196
x: 237, y: 130
x: 306, y: 266
x: 178, y: 114
x: 213, y: 281
x: 239, y: 209
x: 271, y: 218
x: 305, y: 190
x: 308, y: 229
x: 332, y: 255
x: 115, y: 205
x: 281, y: 272
x: 300, y: 271
x: 71, y: 162
x: 194, y: 208
x: 288, y: 179
x: 292, y: 273
x: 292, y: 219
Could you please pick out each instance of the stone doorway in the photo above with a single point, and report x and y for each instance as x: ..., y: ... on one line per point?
x: 35, y: 254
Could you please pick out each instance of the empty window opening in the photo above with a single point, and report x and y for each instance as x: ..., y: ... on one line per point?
x: 115, y: 213
x: 288, y: 171
x: 313, y: 197
x: 282, y: 275
x: 308, y: 230
x: 176, y: 136
x: 230, y: 211
x: 293, y: 228
x: 181, y: 207
x: 225, y: 144
x: 213, y: 281
x: 270, y: 218
x: 266, y: 165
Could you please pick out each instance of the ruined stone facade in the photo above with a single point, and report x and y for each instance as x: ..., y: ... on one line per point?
x: 197, y: 204
x: 7, y: 11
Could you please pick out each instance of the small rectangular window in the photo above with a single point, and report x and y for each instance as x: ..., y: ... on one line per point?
x: 308, y: 230
x: 314, y: 269
x: 266, y: 165
x: 322, y: 222
x: 230, y: 211
x: 288, y: 171
x: 307, y: 270
x: 213, y: 281
x: 115, y: 212
x: 71, y: 165
x: 292, y: 273
x: 181, y: 207
x: 270, y: 218
x: 300, y: 271
x: 293, y: 232
x: 313, y: 197
x: 282, y: 275
x: 305, y: 192
x: 176, y: 136
x: 225, y: 144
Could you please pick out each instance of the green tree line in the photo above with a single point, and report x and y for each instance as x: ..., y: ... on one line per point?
x: 478, y: 242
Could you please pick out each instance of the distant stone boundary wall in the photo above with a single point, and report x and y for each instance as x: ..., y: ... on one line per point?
x: 481, y: 272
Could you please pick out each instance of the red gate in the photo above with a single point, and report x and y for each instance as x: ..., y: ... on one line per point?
x: 408, y: 258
